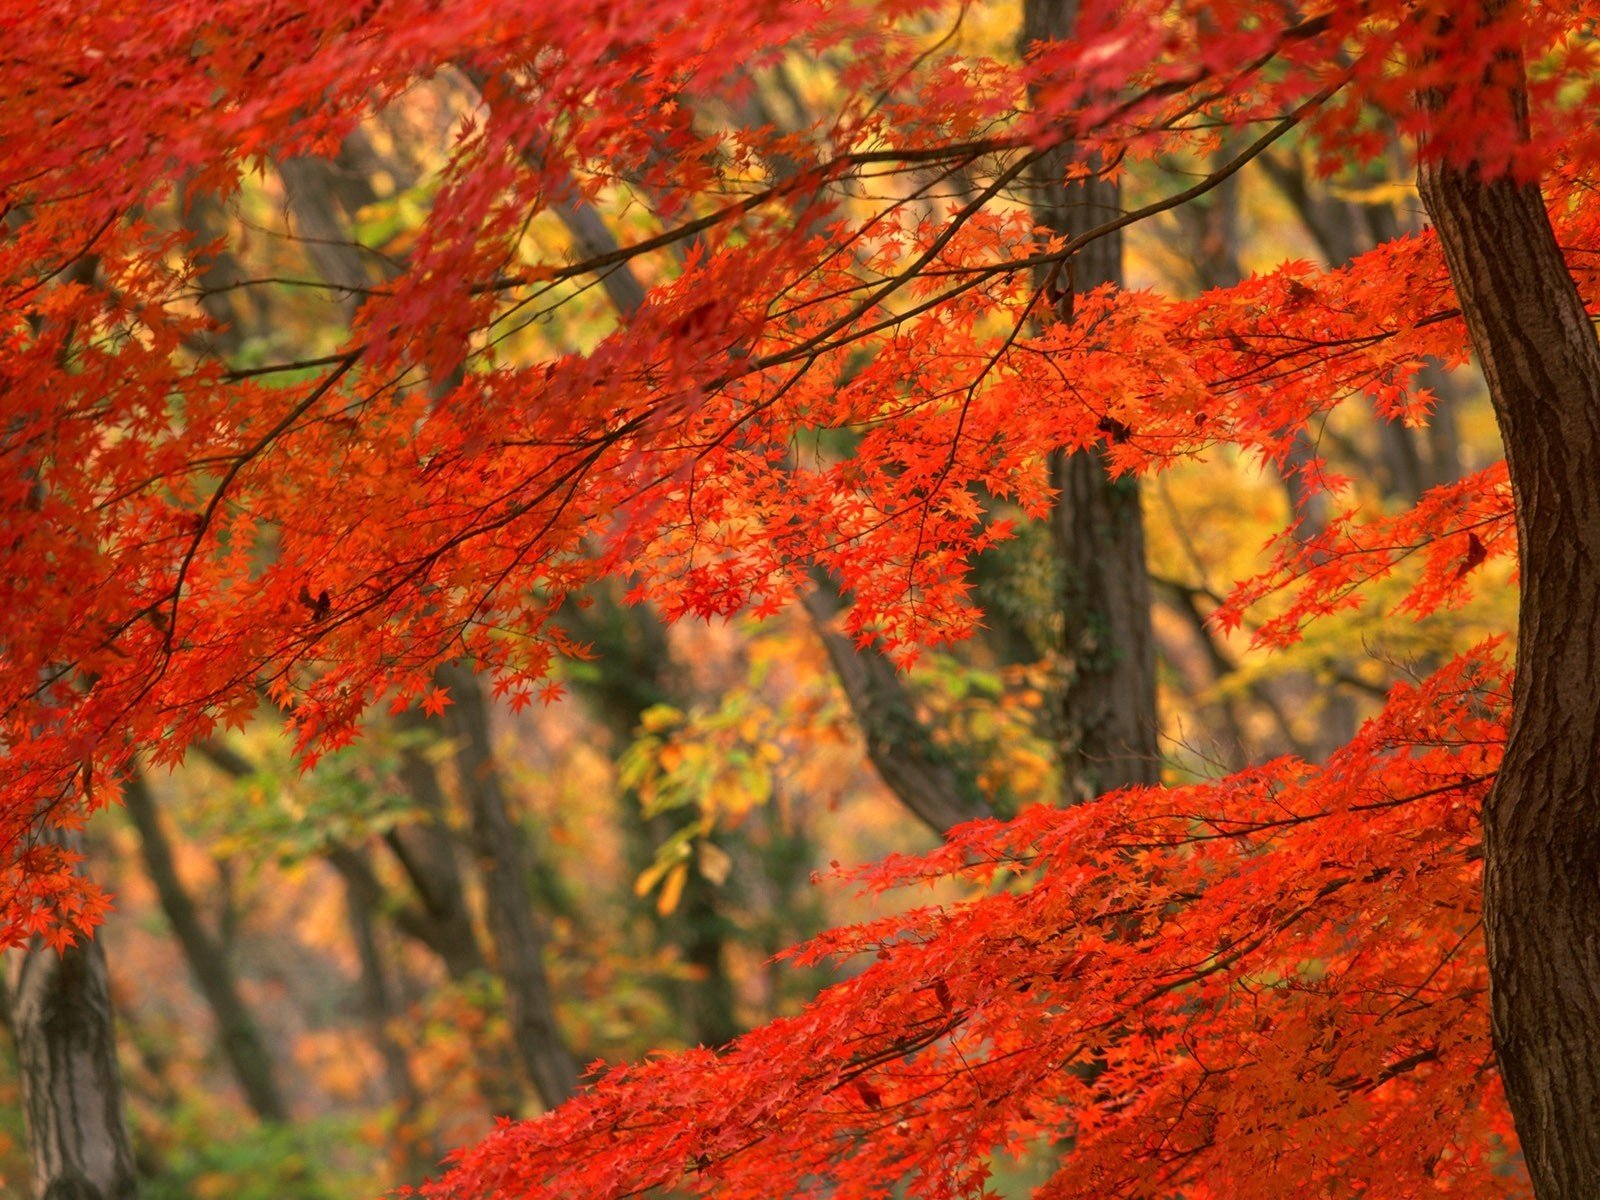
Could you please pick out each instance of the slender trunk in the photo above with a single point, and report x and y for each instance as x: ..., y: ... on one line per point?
x: 1542, y: 819
x: 705, y: 1003
x: 929, y: 782
x: 240, y: 1037
x: 221, y: 273
x: 1443, y: 434
x: 927, y: 778
x: 439, y: 919
x: 502, y: 855
x: 1209, y: 228
x: 413, y: 1146
x: 498, y: 844
x: 1337, y: 711
x: 71, y: 1085
x: 309, y: 184
x: 455, y: 944
x: 637, y: 670
x: 1107, y: 718
x: 427, y: 851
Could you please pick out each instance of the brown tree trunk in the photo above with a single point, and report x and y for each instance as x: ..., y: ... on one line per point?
x: 1542, y: 819
x: 499, y: 846
x: 413, y: 1145
x: 60, y: 1007
x: 440, y: 918
x: 1107, y: 717
x: 638, y: 670
x: 925, y: 777
x: 514, y: 927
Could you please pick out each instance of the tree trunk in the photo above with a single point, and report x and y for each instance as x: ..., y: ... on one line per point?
x: 238, y: 1032
x: 413, y: 1144
x: 501, y: 850
x: 1542, y: 819
x: 638, y: 670
x: 440, y: 919
x: 1107, y: 717
x: 71, y: 1085
x: 928, y: 779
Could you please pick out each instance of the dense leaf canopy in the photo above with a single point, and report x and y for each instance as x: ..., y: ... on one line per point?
x: 852, y: 336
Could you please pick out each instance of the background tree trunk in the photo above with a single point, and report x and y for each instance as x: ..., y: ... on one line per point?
x: 514, y: 927
x: 239, y: 1035
x: 1107, y: 711
x: 417, y: 1151
x: 929, y: 780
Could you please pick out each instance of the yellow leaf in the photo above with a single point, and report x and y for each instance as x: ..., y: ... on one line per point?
x: 658, y: 717
x: 672, y: 890
x: 728, y: 796
x: 649, y: 877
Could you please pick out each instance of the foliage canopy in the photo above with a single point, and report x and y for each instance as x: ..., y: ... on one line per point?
x: 1274, y: 981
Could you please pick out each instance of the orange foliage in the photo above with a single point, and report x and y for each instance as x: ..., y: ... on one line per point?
x: 1269, y: 983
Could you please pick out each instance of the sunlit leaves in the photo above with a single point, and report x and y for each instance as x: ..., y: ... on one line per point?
x: 1262, y: 985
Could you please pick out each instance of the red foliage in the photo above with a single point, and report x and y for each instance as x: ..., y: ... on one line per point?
x: 1237, y: 990
x: 1270, y: 982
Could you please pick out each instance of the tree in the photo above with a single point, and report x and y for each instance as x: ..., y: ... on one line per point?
x: 209, y: 961
x: 1108, y: 720
x: 59, y: 1008
x: 1227, y: 989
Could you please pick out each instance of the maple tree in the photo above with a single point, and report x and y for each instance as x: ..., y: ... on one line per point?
x: 1231, y: 988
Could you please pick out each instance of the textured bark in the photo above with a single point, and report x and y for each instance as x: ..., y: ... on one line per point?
x: 240, y: 1036
x: 924, y: 776
x: 1108, y: 702
x: 71, y: 1085
x: 1542, y: 819
x: 1107, y: 719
